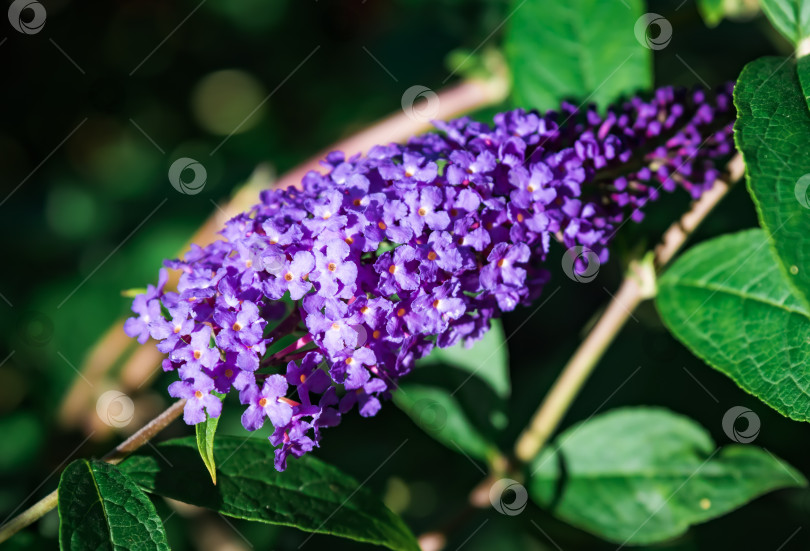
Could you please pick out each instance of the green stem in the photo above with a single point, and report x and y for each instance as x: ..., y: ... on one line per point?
x: 114, y: 456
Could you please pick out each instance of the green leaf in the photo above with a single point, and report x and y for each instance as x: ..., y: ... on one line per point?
x: 205, y: 440
x: 772, y: 131
x: 309, y: 495
x: 101, y: 508
x: 460, y: 398
x: 644, y: 475
x: 487, y: 359
x: 790, y: 17
x: 729, y: 303
x: 439, y: 414
x: 578, y: 49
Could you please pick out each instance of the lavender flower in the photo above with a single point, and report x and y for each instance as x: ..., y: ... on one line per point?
x: 411, y: 246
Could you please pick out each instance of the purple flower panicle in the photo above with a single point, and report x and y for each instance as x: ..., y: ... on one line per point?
x: 411, y: 246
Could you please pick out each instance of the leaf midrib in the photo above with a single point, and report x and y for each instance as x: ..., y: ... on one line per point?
x: 720, y: 288
x: 101, y: 501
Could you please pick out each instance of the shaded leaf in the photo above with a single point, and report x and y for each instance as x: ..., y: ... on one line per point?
x: 644, y: 475
x: 438, y: 413
x: 309, y: 495
x: 487, y: 359
x: 580, y: 50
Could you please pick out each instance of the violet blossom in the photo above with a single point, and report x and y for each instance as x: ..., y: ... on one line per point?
x: 411, y: 246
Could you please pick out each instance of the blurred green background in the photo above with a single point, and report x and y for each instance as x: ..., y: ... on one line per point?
x: 99, y: 103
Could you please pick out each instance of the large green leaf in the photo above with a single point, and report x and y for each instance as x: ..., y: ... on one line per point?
x: 644, y: 475
x: 439, y: 414
x: 578, y: 49
x: 790, y: 17
x: 773, y: 131
x: 309, y: 495
x: 487, y: 359
x: 101, y: 508
x: 729, y: 303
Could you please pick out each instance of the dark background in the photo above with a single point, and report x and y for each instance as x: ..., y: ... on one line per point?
x: 76, y: 203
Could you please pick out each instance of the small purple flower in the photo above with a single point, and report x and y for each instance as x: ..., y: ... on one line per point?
x: 432, y: 311
x: 244, y: 327
x: 269, y: 402
x: 197, y: 393
x: 148, y: 311
x: 532, y: 185
x: 397, y: 270
x: 333, y: 267
x: 383, y: 217
x: 293, y: 276
x: 197, y: 352
x: 292, y: 439
x: 503, y: 265
x: 349, y: 367
x: 369, y: 404
x: 308, y: 378
x: 425, y: 207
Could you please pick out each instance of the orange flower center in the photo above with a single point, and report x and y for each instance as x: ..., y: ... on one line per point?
x: 263, y: 402
x: 422, y: 211
x: 349, y: 240
x: 401, y: 312
x: 229, y: 373
x: 288, y: 276
x: 198, y: 394
x: 432, y: 255
x: 381, y: 225
x: 331, y: 266
x: 501, y: 263
x: 376, y: 334
x: 197, y: 354
x: 237, y: 326
x: 436, y: 303
x: 392, y: 268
